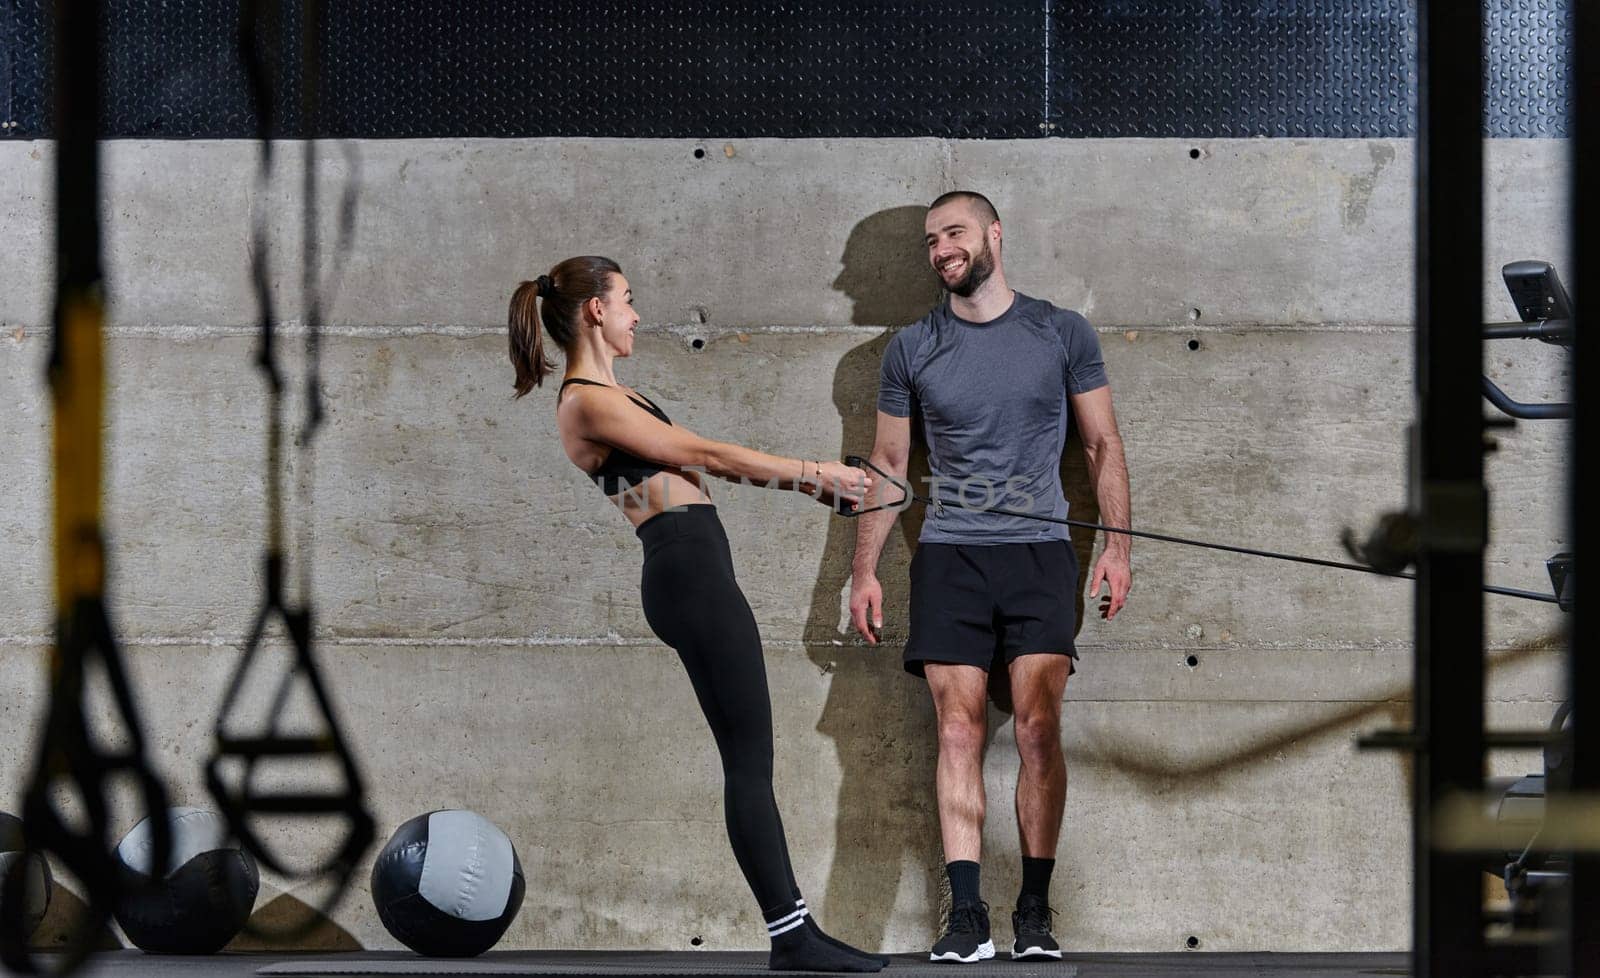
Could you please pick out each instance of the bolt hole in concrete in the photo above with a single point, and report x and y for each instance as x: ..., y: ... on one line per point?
x: 699, y: 153
x: 1192, y: 661
x: 1194, y: 345
x: 698, y: 343
x: 696, y: 941
x: 1194, y: 154
x: 1192, y: 943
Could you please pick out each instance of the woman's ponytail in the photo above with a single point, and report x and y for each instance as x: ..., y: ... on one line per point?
x: 553, y: 300
x: 527, y: 341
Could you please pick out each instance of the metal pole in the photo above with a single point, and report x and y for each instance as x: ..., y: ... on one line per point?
x: 1583, y: 670
x: 1447, y: 482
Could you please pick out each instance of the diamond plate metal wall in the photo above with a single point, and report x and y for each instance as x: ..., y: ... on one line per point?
x: 11, y: 47
x: 8, y: 42
x: 1221, y: 68
x: 1528, y: 46
x: 980, y: 69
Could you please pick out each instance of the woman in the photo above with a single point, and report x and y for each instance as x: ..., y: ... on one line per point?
x: 646, y: 464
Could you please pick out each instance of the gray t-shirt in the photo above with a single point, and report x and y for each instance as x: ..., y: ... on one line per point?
x: 993, y: 398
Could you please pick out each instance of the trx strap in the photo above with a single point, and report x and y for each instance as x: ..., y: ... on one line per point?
x: 70, y: 765
x: 846, y: 508
x: 231, y: 773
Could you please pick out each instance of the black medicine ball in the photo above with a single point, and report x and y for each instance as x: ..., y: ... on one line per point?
x: 447, y: 884
x: 202, y: 902
x: 36, y: 880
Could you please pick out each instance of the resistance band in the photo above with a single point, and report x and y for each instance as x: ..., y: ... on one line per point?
x: 845, y: 508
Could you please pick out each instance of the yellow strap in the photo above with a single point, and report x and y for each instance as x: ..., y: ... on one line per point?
x: 78, y: 390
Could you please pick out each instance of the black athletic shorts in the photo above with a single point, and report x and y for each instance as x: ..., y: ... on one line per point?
x: 975, y: 605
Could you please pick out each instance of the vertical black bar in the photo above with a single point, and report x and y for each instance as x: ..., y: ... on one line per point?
x: 1448, y: 479
x: 1583, y: 666
x: 77, y: 93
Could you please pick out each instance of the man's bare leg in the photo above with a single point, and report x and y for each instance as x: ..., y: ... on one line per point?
x: 959, y: 696
x: 1038, y: 683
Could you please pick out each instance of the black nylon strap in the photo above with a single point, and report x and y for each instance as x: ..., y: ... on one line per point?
x: 69, y: 761
x: 232, y: 769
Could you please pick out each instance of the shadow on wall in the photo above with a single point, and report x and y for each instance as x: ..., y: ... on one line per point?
x: 63, y: 917
x: 879, y: 718
x: 287, y: 922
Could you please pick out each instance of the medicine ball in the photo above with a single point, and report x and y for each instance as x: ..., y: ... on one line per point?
x: 204, y: 899
x: 447, y: 884
x: 36, y: 881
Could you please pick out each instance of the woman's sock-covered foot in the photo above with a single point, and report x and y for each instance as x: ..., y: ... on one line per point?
x: 841, y: 945
x: 803, y: 949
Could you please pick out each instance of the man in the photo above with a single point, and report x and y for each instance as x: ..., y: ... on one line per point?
x: 994, y: 373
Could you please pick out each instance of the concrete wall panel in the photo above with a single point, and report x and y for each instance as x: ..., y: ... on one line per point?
x: 597, y: 764
x: 478, y: 602
x: 785, y: 232
x: 445, y: 510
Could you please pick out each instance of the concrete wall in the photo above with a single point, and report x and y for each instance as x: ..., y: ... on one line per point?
x: 478, y: 603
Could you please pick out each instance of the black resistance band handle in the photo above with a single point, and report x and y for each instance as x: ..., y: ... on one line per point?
x: 845, y: 507
x: 841, y: 505
x: 69, y: 763
x: 239, y: 799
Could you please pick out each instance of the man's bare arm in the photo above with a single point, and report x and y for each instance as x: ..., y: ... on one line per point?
x: 1108, y: 469
x: 891, y: 450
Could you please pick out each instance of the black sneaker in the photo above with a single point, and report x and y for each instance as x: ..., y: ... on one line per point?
x: 1031, y: 925
x: 966, y: 939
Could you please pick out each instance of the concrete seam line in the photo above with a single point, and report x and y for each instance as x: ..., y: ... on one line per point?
x: 233, y: 641
x: 40, y: 640
x: 179, y: 331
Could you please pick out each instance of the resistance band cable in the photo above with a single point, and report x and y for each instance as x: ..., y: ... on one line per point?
x: 845, y: 508
x: 241, y: 800
x: 70, y: 764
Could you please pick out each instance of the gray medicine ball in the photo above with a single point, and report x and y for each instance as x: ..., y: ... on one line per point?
x: 447, y: 884
x: 37, y: 881
x: 205, y: 898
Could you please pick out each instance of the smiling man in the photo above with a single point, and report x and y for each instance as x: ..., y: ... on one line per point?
x: 995, y: 375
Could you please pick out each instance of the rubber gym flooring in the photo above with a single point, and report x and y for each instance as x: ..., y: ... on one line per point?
x: 718, y: 964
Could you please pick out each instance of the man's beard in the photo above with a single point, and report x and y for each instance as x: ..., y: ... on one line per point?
x: 979, y: 267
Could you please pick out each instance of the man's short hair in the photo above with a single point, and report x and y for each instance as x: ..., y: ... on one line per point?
x: 979, y: 202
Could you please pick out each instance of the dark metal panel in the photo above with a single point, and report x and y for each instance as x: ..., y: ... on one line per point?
x: 173, y: 69
x: 7, y: 42
x: 677, y: 68
x: 1231, y: 68
x: 692, y: 67
x: 1447, y: 482
x: 1528, y: 59
x: 31, y: 27
x: 1294, y: 68
x: 573, y: 68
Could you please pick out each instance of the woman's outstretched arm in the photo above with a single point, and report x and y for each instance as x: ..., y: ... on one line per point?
x: 610, y: 419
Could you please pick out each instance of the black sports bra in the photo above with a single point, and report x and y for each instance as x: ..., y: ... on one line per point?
x: 621, y: 469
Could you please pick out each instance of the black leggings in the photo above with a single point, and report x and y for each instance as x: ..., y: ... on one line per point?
x: 693, y: 604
